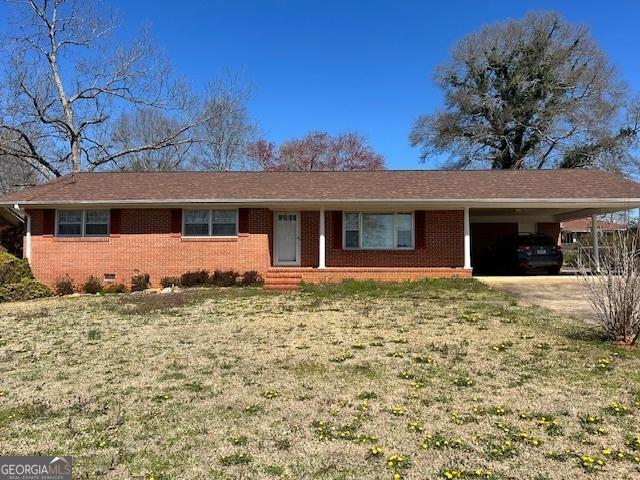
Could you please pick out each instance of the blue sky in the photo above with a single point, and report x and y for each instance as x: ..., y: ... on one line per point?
x: 345, y: 65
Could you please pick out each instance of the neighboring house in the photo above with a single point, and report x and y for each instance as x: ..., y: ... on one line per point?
x: 294, y: 226
x: 577, y: 230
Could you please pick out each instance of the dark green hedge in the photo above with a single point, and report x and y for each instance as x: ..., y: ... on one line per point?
x: 27, y: 289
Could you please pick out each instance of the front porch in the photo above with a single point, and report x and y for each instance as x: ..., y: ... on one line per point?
x: 364, y: 243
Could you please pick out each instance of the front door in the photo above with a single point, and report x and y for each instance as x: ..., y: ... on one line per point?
x: 287, y: 238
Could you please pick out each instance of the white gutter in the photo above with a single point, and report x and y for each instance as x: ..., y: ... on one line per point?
x: 456, y: 201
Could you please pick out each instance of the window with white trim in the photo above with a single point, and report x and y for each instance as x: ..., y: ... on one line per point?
x: 210, y: 223
x: 378, y: 231
x: 82, y: 223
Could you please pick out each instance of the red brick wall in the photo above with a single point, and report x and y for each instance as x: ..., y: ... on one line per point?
x: 145, y: 245
x: 550, y: 229
x: 309, y: 237
x: 443, y: 246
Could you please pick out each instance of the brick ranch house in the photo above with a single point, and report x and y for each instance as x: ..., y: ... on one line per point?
x: 298, y: 226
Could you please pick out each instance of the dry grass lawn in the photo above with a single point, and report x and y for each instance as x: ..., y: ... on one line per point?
x: 415, y: 381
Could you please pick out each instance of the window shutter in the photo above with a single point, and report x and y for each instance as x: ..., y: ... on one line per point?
x: 243, y: 221
x: 116, y: 219
x: 420, y: 220
x: 49, y: 222
x: 176, y: 222
x: 337, y: 230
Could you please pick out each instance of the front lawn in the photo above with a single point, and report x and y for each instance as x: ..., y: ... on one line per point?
x: 360, y: 381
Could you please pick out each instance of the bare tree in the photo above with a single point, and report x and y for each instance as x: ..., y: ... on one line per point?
x: 317, y: 151
x: 150, y: 127
x: 530, y: 93
x: 219, y: 142
x: 614, y: 292
x: 15, y: 175
x: 66, y: 78
x: 227, y: 132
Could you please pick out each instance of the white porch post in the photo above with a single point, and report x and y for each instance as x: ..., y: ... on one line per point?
x: 596, y: 243
x: 27, y: 240
x: 467, y: 240
x: 321, y: 250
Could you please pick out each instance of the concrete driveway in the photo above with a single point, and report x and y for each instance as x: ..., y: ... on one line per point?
x: 561, y: 293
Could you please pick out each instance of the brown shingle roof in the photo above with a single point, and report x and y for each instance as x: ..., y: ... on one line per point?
x: 330, y: 186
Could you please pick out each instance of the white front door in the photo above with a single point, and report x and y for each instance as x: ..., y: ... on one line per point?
x: 287, y: 238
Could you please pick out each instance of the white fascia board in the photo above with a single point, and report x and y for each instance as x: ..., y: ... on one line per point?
x: 582, y: 203
x: 512, y: 218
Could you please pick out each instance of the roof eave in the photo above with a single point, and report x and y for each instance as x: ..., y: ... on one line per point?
x: 10, y: 215
x: 623, y: 203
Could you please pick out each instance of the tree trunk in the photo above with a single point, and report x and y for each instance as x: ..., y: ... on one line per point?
x: 66, y: 107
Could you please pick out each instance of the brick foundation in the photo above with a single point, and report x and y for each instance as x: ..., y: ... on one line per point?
x: 382, y: 274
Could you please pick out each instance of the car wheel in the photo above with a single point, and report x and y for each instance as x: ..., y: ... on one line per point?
x: 554, y: 270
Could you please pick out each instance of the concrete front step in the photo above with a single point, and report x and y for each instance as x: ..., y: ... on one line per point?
x: 282, y: 279
x: 283, y: 275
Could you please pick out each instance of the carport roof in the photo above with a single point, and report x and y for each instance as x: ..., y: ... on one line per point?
x: 382, y: 185
x: 9, y: 217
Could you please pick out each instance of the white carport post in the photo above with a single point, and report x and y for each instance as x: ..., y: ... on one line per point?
x: 27, y: 240
x: 321, y: 250
x: 467, y: 240
x: 26, y: 251
x: 596, y: 243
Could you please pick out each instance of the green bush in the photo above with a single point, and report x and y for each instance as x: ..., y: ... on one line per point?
x: 27, y: 289
x: 14, y: 271
x: 92, y: 285
x: 571, y: 258
x: 227, y: 278
x: 114, y: 288
x: 168, y: 282
x: 64, y: 286
x: 6, y: 257
x: 194, y: 279
x: 140, y: 282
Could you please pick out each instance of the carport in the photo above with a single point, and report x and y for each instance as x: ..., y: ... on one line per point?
x: 487, y: 224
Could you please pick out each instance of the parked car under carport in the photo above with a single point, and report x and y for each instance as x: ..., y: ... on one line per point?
x: 522, y: 253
